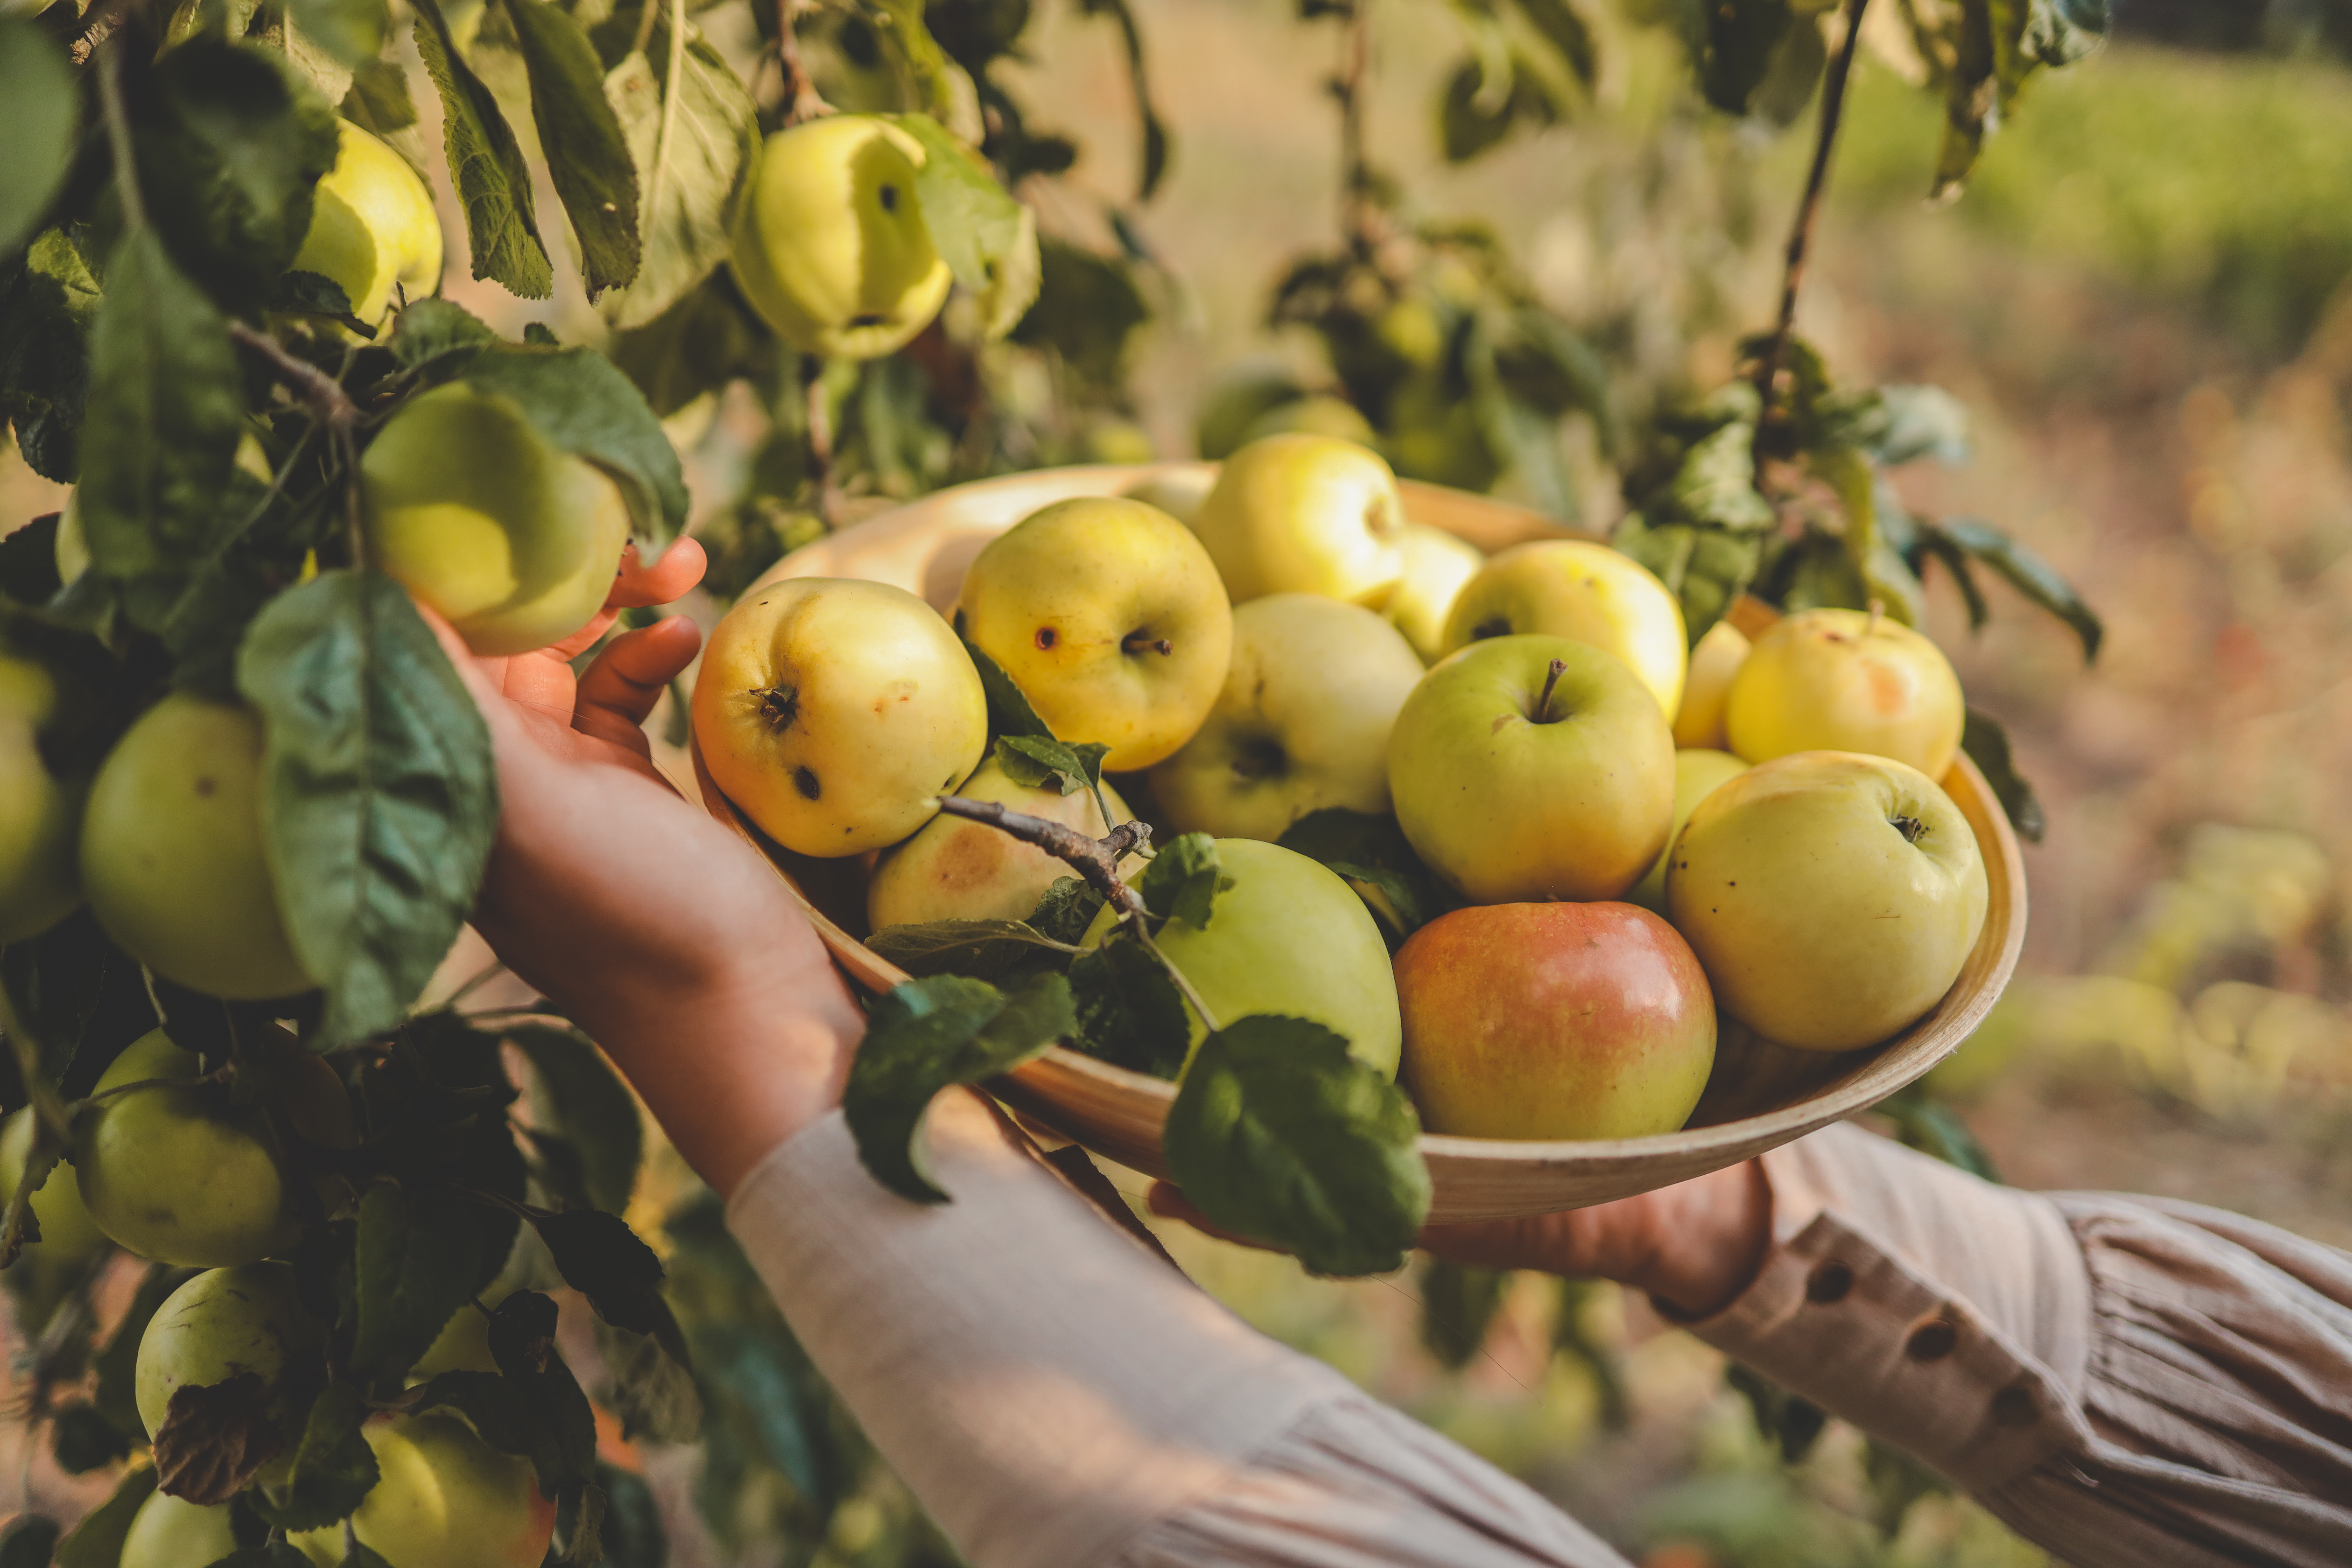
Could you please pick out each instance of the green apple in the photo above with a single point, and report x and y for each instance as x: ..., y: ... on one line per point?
x: 1528, y: 767
x: 462, y: 1345
x: 1289, y: 938
x: 830, y: 244
x: 1554, y: 1021
x: 836, y: 712
x: 1833, y: 897
x: 1108, y: 617
x: 224, y: 1323
x: 68, y: 1236
x: 1584, y: 592
x: 1321, y: 415
x: 169, y: 1533
x: 173, y: 1171
x: 512, y: 540
x: 1697, y: 775
x: 959, y: 869
x: 173, y: 860
x: 1714, y: 664
x: 1435, y: 433
x: 1178, y: 493
x: 1437, y: 567
x: 1302, y: 723
x: 1303, y: 515
x: 1238, y: 398
x: 40, y: 814
x: 1847, y: 680
x: 372, y: 228
x: 443, y: 1499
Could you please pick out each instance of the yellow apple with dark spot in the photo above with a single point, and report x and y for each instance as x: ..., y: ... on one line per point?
x: 1847, y: 680
x: 959, y: 869
x: 443, y: 1499
x: 1697, y: 775
x: 1302, y: 723
x: 1833, y: 897
x: 1715, y: 661
x: 1437, y: 567
x: 836, y: 712
x: 372, y: 228
x: 1108, y: 617
x: 1305, y: 514
x: 1587, y: 593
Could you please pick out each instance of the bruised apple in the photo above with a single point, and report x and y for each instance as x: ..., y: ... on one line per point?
x: 443, y: 1499
x: 1554, y: 1021
x: 959, y: 869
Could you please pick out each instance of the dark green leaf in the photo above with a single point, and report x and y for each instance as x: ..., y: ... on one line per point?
x: 28, y: 1542
x: 1987, y: 745
x: 83, y: 1440
x: 1182, y: 880
x: 351, y: 31
x: 580, y: 402
x: 983, y: 950
x: 691, y: 175
x: 587, y: 155
x: 1458, y: 1304
x: 1925, y: 1121
x: 419, y: 1254
x: 45, y: 313
x: 37, y: 125
x: 1792, y: 73
x: 1067, y: 908
x: 1708, y: 568
x: 1009, y: 712
x: 600, y: 1256
x: 312, y: 294
x: 1716, y: 483
x: 378, y: 100
x: 545, y: 1419
x: 1035, y: 760
x: 582, y: 1098
x: 1087, y: 310
x: 1129, y: 1013
x: 1934, y: 544
x: 1373, y: 850
x: 633, y: 1533
x: 1279, y: 1135
x: 333, y: 1466
x: 1478, y: 111
x: 165, y: 411
x: 78, y: 997
x: 1737, y: 49
x: 439, y: 335
x: 486, y: 164
x: 381, y: 792
x: 280, y: 1554
x: 988, y: 239
x: 1524, y: 438
x: 700, y: 343
x: 2030, y: 575
x: 927, y: 1036
x: 96, y: 1541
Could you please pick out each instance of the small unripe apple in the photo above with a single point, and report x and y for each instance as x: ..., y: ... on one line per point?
x: 1289, y: 938
x: 959, y: 869
x: 510, y: 539
x: 1697, y: 775
x: 1554, y: 1021
x: 443, y: 1499
x: 836, y: 712
x: 167, y: 1532
x: 1847, y: 680
x: 1584, y: 592
x: 1437, y: 567
x: 830, y: 244
x: 1303, y: 515
x: 1832, y: 898
x: 172, y: 859
x: 40, y: 814
x: 1714, y: 663
x: 224, y: 1323
x: 372, y: 228
x: 1302, y: 722
x: 1108, y: 617
x: 1525, y: 768
x: 173, y: 1171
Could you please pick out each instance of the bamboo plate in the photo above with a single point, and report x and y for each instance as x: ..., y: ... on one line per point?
x: 1762, y: 1095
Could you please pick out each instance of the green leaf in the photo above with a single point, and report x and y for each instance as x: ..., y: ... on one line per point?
x: 77, y: 998
x: 1919, y: 422
x: 1009, y: 712
x: 988, y: 239
x: 1065, y: 910
x: 1938, y: 546
x: 37, y: 125
x: 96, y: 1541
x: 1129, y: 1013
x: 1035, y: 760
x: 1715, y: 482
x: 587, y: 153
x: 438, y: 335
x: 419, y: 1254
x: 693, y: 163
x: 487, y: 165
x: 378, y: 100
x: 600, y: 1256
x: 1707, y: 568
x: 1925, y: 1121
x: 984, y: 949
x: 653, y: 1396
x: 2029, y: 575
x: 333, y: 1467
x: 1987, y: 745
x: 352, y: 32
x: 921, y: 64
x: 381, y: 793
x: 1182, y: 880
x: 582, y: 402
x: 165, y: 413
x: 47, y: 310
x: 582, y: 1098
x: 706, y: 340
x: 314, y: 294
x: 532, y: 1406
x: 1523, y: 437
x: 1458, y: 1304
x: 929, y: 1035
x: 1736, y: 50
x: 1373, y: 850
x: 1279, y: 1135
x: 1485, y: 100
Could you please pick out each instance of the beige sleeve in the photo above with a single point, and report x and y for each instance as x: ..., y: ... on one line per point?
x: 1057, y: 1396
x: 2126, y: 1381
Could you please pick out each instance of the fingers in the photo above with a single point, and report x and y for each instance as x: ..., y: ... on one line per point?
x: 680, y: 568
x: 618, y: 693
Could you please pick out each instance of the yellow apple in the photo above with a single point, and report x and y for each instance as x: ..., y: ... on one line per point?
x: 171, y: 855
x: 836, y: 712
x: 513, y: 541
x: 1833, y: 897
x: 1697, y: 775
x: 40, y: 814
x: 1847, y: 680
x: 1107, y: 616
x: 1302, y: 723
x: 169, y: 1533
x: 1321, y: 415
x: 372, y: 228
x: 1305, y: 514
x: 1178, y: 493
x: 1437, y: 566
x: 959, y: 869
x: 443, y: 1499
x: 1698, y: 722
x: 1525, y: 768
x: 222, y: 1324
x: 1584, y: 592
x: 830, y: 244
x: 1289, y: 937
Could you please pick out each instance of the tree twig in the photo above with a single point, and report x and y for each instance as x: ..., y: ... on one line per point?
x: 820, y: 441
x: 1767, y: 369
x: 1355, y: 172
x: 325, y: 397
x: 1095, y: 859
x: 800, y: 101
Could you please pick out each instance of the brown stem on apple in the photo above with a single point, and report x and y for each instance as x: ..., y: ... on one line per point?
x: 1911, y: 827
x: 1551, y: 679
x: 1135, y: 642
x: 1878, y: 614
x: 1095, y: 859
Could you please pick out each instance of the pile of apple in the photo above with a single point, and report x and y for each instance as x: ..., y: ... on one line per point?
x: 1283, y: 642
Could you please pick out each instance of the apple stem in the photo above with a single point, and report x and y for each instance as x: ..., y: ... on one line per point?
x: 1135, y: 642
x: 1911, y: 827
x: 1093, y: 860
x: 1878, y: 614
x: 1551, y: 679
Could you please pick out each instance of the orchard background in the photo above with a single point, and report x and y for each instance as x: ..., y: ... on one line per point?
x: 2139, y: 299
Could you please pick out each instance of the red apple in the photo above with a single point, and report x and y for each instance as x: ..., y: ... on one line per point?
x: 1554, y: 1021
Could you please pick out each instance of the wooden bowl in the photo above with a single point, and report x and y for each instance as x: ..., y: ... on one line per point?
x: 1760, y: 1096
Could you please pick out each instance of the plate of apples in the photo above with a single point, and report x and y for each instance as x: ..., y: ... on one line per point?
x: 1613, y: 907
